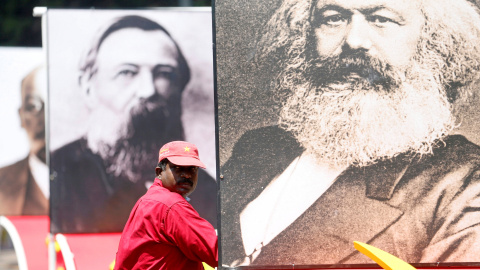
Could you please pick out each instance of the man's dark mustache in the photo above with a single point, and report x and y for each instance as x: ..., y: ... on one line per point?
x: 349, y: 67
x: 185, y: 181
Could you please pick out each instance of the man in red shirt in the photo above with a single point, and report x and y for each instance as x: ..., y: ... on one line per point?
x: 163, y: 230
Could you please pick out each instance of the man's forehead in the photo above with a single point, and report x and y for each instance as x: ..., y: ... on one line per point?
x: 395, y: 5
x: 136, y: 46
x: 35, y: 84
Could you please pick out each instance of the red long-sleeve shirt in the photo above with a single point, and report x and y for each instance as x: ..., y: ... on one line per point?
x: 165, y: 232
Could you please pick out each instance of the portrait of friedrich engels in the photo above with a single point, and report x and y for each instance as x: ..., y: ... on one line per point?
x: 364, y: 149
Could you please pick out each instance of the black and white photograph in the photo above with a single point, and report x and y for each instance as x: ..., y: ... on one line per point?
x: 24, y: 183
x: 343, y: 121
x: 122, y: 83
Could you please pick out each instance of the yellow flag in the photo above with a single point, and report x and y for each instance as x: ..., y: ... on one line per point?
x: 382, y: 258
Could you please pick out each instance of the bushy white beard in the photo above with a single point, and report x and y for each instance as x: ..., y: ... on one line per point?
x: 356, y: 123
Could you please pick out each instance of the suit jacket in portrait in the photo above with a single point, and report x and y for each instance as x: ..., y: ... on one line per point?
x: 423, y: 209
x: 85, y: 198
x: 19, y: 193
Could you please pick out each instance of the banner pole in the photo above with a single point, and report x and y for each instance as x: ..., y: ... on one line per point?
x: 52, y: 254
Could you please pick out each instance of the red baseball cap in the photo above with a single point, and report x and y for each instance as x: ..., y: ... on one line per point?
x: 181, y: 153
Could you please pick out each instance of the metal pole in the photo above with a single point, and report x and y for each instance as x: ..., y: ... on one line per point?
x: 52, y: 253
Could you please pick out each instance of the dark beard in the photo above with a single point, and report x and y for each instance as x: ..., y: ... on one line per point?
x: 152, y: 124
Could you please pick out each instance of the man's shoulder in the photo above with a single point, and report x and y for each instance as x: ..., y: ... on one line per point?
x: 268, y: 135
x: 455, y: 161
x: 14, y: 168
x: 73, y: 149
x: 161, y: 195
x: 449, y: 155
x: 259, y: 154
x: 14, y: 177
x: 75, y: 154
x: 456, y: 149
x: 261, y: 144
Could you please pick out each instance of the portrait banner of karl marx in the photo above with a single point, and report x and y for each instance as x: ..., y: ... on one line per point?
x: 346, y: 120
x: 122, y: 83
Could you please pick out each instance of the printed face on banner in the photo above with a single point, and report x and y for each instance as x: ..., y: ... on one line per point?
x: 362, y: 141
x: 32, y: 110
x: 23, y: 173
x: 179, y: 179
x: 383, y: 28
x: 122, y: 80
x: 135, y: 82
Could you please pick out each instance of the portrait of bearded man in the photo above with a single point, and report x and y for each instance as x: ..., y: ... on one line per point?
x: 364, y: 148
x: 132, y: 79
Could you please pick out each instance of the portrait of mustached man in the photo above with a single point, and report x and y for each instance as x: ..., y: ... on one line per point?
x: 364, y: 146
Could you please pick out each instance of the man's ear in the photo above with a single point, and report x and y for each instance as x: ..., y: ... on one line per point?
x: 88, y: 91
x: 158, y: 171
